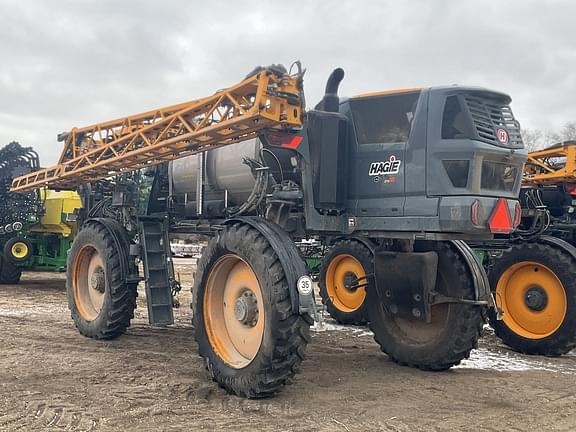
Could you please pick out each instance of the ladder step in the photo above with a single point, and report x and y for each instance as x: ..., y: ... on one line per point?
x: 158, y: 286
x: 162, y: 305
x: 154, y: 251
x: 157, y: 268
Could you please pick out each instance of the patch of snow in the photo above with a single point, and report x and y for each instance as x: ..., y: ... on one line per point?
x: 333, y: 326
x: 483, y: 358
x: 488, y: 329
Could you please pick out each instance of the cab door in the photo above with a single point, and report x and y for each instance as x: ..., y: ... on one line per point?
x: 381, y: 130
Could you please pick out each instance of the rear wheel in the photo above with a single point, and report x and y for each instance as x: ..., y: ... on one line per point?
x: 101, y: 302
x: 251, y: 338
x: 536, y: 289
x: 9, y: 272
x: 454, y: 328
x: 343, y: 277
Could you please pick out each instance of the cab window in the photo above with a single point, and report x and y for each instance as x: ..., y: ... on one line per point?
x: 384, y: 119
x: 454, y: 123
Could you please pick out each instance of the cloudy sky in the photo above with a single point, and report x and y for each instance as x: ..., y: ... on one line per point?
x: 76, y: 62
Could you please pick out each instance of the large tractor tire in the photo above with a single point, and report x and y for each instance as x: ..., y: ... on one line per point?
x: 454, y: 328
x: 535, y: 287
x: 9, y: 272
x: 251, y: 338
x: 347, y: 264
x: 101, y: 302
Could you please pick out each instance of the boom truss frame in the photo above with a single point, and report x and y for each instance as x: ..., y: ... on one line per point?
x: 268, y: 99
x: 551, y: 165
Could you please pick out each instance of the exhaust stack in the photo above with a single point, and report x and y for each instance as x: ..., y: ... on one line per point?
x: 330, y: 101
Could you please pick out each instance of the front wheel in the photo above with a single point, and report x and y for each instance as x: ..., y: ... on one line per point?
x: 454, y: 328
x: 247, y: 331
x: 535, y: 287
x: 101, y: 302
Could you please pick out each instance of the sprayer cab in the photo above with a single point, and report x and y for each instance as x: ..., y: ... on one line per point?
x: 437, y: 160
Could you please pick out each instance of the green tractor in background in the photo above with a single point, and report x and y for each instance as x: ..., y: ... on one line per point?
x: 37, y: 228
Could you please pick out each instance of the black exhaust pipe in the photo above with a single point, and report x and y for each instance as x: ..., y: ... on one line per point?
x: 331, y: 101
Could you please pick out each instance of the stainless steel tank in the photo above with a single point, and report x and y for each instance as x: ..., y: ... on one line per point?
x: 225, y: 170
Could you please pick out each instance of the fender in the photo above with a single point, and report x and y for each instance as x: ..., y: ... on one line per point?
x: 122, y: 245
x: 284, y: 247
x: 479, y: 277
x: 558, y: 243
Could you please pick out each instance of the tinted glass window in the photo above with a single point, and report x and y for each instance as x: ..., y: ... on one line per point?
x: 498, y: 176
x: 457, y: 170
x: 385, y: 119
x: 454, y: 124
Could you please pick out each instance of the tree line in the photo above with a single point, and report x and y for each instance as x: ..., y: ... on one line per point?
x: 537, y: 139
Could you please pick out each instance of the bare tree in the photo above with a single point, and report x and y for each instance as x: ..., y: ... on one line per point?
x: 568, y: 132
x: 533, y: 139
x: 538, y: 139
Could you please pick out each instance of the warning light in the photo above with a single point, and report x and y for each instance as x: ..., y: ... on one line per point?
x: 500, y: 221
x: 474, y: 212
x: 570, y: 188
x: 517, y: 214
x: 286, y: 140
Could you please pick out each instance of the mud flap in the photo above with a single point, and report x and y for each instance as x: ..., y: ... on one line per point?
x: 405, y: 281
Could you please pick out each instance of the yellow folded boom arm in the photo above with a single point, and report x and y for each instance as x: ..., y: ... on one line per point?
x: 265, y: 100
x: 552, y: 165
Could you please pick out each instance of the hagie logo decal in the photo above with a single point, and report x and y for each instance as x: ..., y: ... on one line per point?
x: 391, y: 166
x: 502, y: 136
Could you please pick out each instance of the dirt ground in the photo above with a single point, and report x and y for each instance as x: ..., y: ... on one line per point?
x: 51, y: 378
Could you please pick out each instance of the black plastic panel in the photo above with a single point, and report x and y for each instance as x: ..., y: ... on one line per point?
x: 328, y: 140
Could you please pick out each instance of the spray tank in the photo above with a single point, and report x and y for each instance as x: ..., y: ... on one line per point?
x: 236, y: 178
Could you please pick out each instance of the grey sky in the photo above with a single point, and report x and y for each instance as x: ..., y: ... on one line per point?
x: 73, y: 63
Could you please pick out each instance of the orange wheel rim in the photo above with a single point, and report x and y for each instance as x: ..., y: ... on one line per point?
x: 343, y: 271
x: 234, y: 311
x: 89, y: 282
x: 532, y: 298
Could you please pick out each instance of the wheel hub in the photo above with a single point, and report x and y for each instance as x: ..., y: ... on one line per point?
x: 341, y: 282
x: 246, y: 309
x: 536, y: 298
x: 98, y: 280
x: 350, y: 282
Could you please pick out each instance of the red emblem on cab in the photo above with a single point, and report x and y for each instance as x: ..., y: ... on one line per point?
x: 502, y: 136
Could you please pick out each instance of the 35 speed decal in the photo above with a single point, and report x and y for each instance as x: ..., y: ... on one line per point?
x: 389, y: 167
